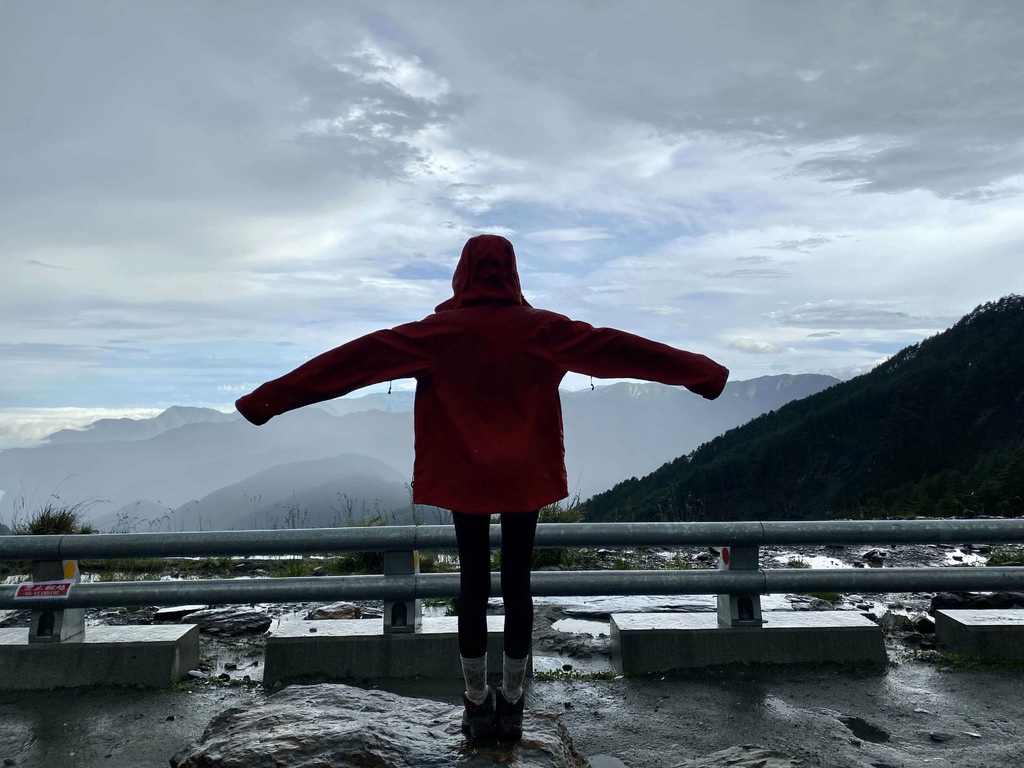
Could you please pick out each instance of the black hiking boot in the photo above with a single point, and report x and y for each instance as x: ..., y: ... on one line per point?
x: 508, y: 719
x: 478, y: 719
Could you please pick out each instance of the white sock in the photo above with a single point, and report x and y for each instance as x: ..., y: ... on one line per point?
x: 512, y: 673
x: 475, y: 673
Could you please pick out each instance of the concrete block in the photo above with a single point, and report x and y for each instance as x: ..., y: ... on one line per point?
x: 359, y: 648
x: 987, y: 634
x: 154, y: 656
x: 659, y: 642
x: 402, y: 616
x: 56, y: 625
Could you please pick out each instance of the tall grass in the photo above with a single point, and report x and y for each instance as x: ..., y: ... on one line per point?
x: 56, y: 518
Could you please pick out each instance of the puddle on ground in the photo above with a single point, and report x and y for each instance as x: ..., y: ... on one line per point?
x: 238, y: 660
x: 570, y: 665
x: 959, y: 557
x: 582, y: 627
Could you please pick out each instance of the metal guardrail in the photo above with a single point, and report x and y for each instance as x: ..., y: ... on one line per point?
x: 434, y: 537
x: 739, y: 580
x: 572, y: 583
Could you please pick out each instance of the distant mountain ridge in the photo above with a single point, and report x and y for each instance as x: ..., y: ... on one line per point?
x: 130, y: 430
x: 936, y: 430
x: 320, y: 493
x: 192, y: 461
x: 396, y: 402
x: 628, y: 429
x: 611, y: 433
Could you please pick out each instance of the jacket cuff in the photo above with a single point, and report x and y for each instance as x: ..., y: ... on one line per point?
x: 254, y: 408
x: 715, y: 385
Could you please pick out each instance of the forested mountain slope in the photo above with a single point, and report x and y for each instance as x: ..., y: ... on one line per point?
x: 936, y: 430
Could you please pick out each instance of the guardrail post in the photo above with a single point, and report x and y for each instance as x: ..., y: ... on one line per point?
x: 402, y: 615
x: 739, y: 610
x: 55, y: 625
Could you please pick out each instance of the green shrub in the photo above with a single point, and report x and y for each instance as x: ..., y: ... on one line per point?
x: 56, y: 518
x: 297, y: 567
x: 679, y: 563
x: 1005, y: 555
x: 562, y: 512
x: 128, y: 569
x: 570, y: 511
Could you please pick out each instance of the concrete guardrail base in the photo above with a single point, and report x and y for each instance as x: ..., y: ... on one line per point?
x: 996, y: 634
x: 659, y: 642
x: 358, y: 648
x: 152, y: 656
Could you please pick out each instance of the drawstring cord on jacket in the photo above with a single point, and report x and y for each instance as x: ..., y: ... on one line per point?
x: 389, y: 387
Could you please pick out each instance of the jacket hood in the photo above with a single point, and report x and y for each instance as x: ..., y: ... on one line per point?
x: 486, y: 274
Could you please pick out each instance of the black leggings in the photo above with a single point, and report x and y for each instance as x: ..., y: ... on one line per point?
x: 473, y: 534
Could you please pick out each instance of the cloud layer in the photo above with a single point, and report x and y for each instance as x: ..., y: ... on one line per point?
x: 197, y: 197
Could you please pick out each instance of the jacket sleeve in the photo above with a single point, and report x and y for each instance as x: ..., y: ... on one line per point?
x: 397, y: 353
x: 608, y: 354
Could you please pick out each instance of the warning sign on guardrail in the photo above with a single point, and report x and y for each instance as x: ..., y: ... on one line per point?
x: 44, y: 590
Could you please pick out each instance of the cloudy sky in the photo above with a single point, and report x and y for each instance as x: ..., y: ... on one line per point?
x: 196, y: 197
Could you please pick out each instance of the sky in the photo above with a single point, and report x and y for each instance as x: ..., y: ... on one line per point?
x: 197, y: 197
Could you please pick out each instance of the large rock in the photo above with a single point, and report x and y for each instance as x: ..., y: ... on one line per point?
x: 230, y: 621
x: 176, y: 612
x: 894, y: 622
x: 335, y: 611
x: 334, y: 726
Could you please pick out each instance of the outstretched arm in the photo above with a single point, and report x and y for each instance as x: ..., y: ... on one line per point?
x: 380, y: 356
x: 608, y: 354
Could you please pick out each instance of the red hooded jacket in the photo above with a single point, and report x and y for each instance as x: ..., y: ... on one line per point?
x: 488, y: 420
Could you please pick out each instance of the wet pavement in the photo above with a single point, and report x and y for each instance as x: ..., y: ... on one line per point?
x: 910, y: 714
x: 907, y: 716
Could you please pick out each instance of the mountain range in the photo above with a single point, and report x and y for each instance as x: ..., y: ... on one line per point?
x: 938, y: 429
x: 320, y: 493
x: 192, y: 468
x: 129, y: 430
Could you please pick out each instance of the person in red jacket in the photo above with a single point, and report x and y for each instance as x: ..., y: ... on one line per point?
x: 488, y: 433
